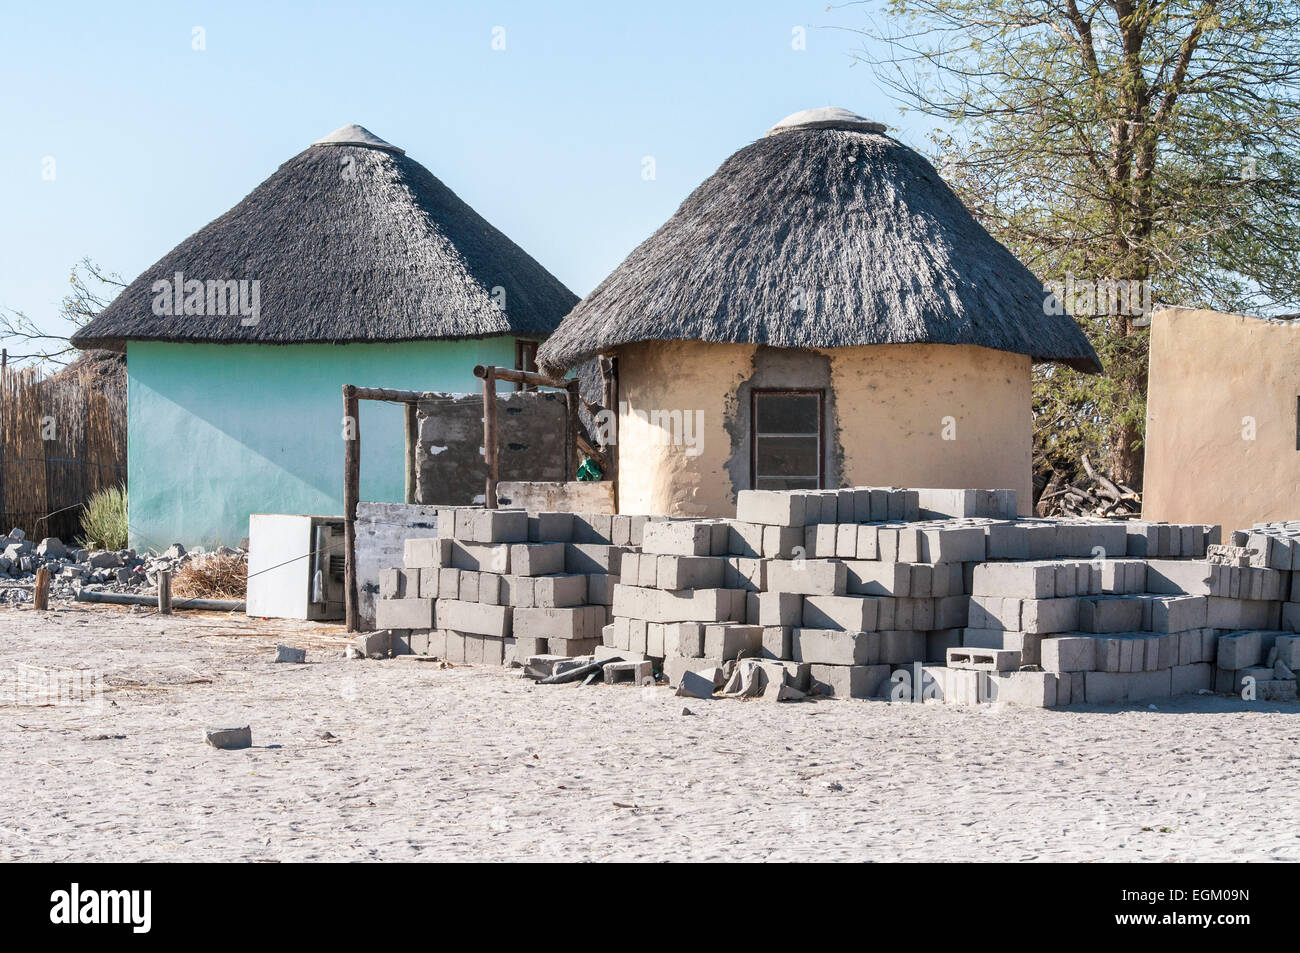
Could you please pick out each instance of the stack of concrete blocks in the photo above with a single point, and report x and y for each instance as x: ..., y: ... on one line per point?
x: 839, y: 586
x: 497, y: 585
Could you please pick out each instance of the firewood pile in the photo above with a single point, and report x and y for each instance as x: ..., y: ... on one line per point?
x: 1090, y: 494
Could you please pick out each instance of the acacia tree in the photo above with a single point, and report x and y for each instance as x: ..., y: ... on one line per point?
x: 1115, y: 140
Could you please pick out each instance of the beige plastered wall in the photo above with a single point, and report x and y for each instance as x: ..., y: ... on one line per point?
x: 892, y: 405
x: 1213, y: 378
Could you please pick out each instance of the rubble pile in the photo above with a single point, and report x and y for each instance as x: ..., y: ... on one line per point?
x: 73, y: 568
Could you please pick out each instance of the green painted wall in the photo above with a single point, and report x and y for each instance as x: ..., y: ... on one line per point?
x: 218, y: 431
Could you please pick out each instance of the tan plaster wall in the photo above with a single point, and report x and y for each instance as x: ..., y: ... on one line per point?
x: 890, y: 404
x: 1208, y: 372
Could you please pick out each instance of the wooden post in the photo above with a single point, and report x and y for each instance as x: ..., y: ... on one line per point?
x: 609, y: 400
x: 351, y: 491
x: 571, y: 395
x: 412, y: 442
x: 41, y: 595
x: 490, y: 436
x: 165, y: 592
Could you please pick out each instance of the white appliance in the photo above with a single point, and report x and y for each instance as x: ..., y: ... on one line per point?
x: 295, y: 566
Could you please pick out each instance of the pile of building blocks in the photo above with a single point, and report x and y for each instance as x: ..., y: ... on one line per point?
x: 497, y: 585
x: 871, y: 592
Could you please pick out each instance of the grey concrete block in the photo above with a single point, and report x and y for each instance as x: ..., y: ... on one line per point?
x: 405, y: 614
x: 566, y: 591
x: 680, y: 537
x: 535, y: 559
x: 1066, y: 653
x: 874, y: 578
x: 901, y: 646
x: 732, y: 641
x: 431, y: 552
x: 1023, y: 580
x: 782, y: 542
x: 777, y: 642
x: 1110, y: 614
x: 684, y: 639
x: 373, y: 644
x: 691, y: 572
x: 808, y: 576
x: 592, y: 558
x: 1192, y: 678
x: 778, y: 608
x: 1240, y: 650
x: 835, y: 647
x: 771, y: 507
x: 853, y: 613
x: 628, y: 673
x: 475, y: 618
x: 394, y: 583
x: 1049, y: 615
x: 492, y: 526
x: 578, y: 622
x: 849, y: 681
x: 1030, y: 689
x: 983, y: 660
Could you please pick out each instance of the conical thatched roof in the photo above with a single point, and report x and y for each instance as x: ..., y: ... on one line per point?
x: 825, y: 233
x: 350, y: 240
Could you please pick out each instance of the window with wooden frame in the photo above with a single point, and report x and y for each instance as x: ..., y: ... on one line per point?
x: 525, y: 360
x: 786, y: 439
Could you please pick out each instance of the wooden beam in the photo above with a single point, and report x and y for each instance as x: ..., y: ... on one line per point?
x: 522, y: 377
x: 490, y: 433
x: 412, y: 444
x: 351, y: 492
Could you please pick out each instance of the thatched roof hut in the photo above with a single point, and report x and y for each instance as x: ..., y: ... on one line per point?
x: 350, y: 240
x: 825, y: 233
x: 826, y: 312
x: 351, y: 264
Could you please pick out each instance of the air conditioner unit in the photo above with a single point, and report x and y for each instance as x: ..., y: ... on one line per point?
x: 295, y: 566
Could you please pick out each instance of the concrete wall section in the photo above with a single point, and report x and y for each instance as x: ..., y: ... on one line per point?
x: 382, y: 532
x: 921, y: 415
x: 216, y: 432
x: 449, y: 455
x: 1222, y: 430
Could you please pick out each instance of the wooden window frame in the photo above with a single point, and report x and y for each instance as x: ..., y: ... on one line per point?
x: 758, y: 392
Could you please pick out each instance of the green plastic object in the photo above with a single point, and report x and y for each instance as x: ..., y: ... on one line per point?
x: 590, y: 471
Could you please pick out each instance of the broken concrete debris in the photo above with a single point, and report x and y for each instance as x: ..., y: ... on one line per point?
x: 941, y: 596
x: 73, y: 568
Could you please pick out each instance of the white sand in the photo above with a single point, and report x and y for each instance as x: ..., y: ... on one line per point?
x: 475, y: 764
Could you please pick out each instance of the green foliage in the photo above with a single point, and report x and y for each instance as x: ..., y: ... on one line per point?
x: 104, y: 519
x: 1116, y: 140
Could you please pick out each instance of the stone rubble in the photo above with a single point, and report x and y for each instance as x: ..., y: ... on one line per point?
x: 73, y: 568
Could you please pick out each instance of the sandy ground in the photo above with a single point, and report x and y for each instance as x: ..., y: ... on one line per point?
x: 424, y: 763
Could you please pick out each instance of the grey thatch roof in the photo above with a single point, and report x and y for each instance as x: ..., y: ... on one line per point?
x: 825, y: 233
x: 350, y: 240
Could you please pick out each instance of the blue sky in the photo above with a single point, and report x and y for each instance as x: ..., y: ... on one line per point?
x: 151, y: 138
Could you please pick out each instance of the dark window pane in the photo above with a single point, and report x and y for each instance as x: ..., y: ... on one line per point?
x: 787, y: 413
x: 786, y: 483
x: 788, y: 456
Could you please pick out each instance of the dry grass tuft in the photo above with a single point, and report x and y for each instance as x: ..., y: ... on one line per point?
x: 212, y: 576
